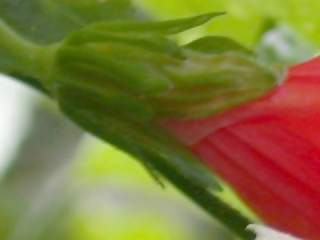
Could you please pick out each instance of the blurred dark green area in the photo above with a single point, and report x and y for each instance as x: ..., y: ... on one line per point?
x: 63, y: 184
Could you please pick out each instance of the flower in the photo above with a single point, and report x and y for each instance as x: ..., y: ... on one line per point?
x: 268, y: 150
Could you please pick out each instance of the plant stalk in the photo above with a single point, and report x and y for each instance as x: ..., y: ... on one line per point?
x: 21, y: 57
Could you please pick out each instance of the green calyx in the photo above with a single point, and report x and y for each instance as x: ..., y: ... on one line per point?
x: 143, y: 74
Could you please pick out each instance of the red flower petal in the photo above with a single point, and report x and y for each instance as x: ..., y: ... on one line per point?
x: 269, y: 150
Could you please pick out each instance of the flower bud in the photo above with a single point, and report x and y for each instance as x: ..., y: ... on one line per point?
x: 138, y: 61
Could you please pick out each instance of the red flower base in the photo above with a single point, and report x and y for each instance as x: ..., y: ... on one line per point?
x: 269, y: 151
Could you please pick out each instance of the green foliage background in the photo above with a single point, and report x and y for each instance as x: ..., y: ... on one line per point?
x: 246, y: 19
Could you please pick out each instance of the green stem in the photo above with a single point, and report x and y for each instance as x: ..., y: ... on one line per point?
x: 19, y: 52
x: 218, y: 209
x: 225, y: 214
x: 21, y: 56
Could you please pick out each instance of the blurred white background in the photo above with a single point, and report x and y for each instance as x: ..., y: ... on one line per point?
x: 16, y: 101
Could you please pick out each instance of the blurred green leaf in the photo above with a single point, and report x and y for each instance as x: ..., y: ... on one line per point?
x: 141, y: 226
x: 50, y: 20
